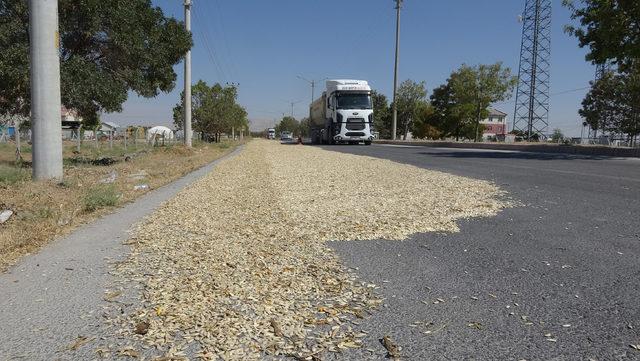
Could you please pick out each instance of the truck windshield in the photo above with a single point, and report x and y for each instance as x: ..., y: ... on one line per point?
x: 354, y: 101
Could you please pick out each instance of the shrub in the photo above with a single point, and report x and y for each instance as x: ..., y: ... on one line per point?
x: 100, y: 197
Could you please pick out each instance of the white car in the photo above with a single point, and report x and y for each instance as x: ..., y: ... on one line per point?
x: 286, y: 136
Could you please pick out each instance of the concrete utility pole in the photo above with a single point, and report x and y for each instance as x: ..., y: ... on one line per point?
x: 45, y: 89
x: 395, y: 71
x: 313, y: 88
x: 187, y: 79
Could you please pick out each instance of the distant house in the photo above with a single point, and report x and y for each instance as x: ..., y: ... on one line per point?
x: 495, y: 126
x: 109, y: 128
x: 106, y: 129
x: 70, y: 123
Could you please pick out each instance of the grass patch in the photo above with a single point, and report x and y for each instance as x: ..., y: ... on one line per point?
x: 12, y: 175
x: 99, y: 197
x: 10, y: 148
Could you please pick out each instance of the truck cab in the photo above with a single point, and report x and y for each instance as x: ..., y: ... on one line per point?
x: 344, y: 113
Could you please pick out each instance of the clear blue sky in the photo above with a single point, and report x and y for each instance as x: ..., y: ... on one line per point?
x: 263, y: 45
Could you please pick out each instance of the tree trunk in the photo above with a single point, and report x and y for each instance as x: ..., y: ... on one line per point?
x: 477, y: 124
x: 16, y: 126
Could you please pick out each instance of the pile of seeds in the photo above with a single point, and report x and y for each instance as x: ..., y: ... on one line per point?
x: 236, y: 266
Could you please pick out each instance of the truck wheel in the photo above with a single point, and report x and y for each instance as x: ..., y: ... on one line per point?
x: 367, y: 142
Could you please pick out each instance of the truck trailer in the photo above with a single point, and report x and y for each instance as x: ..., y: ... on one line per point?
x: 343, y: 114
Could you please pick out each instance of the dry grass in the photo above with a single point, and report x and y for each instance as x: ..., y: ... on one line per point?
x: 237, y: 264
x: 49, y: 210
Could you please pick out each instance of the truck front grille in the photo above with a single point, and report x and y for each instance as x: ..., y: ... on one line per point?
x: 355, y: 124
x: 354, y: 134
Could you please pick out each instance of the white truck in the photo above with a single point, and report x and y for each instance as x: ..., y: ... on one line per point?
x: 271, y: 133
x: 343, y: 114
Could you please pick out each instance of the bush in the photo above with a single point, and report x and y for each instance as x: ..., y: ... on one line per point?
x: 13, y: 175
x: 100, y: 197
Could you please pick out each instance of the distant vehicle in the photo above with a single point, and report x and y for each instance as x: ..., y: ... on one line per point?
x: 343, y: 114
x: 271, y: 133
x: 286, y: 136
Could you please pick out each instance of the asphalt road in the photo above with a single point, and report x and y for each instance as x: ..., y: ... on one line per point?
x: 556, y: 278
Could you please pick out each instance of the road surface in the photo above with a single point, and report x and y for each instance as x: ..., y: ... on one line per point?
x: 557, y: 278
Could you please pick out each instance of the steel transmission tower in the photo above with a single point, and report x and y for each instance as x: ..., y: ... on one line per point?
x: 602, y: 69
x: 531, y: 114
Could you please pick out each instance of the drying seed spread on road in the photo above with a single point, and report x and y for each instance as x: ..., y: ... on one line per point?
x: 236, y: 266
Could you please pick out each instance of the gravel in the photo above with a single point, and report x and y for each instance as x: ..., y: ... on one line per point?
x: 236, y: 266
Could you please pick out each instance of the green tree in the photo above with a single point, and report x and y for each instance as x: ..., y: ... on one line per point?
x: 475, y: 88
x: 599, y: 105
x: 422, y: 126
x: 613, y: 105
x: 409, y: 97
x: 557, y: 136
x: 609, y: 28
x: 304, y: 127
x: 381, y: 115
x: 214, y: 110
x: 449, y: 117
x: 443, y: 118
x: 107, y: 49
x: 288, y: 124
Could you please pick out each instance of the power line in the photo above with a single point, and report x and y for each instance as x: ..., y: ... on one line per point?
x: 231, y: 63
x: 210, y: 30
x: 553, y: 94
x: 212, y: 55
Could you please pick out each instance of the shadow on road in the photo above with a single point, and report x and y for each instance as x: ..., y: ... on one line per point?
x: 514, y: 155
